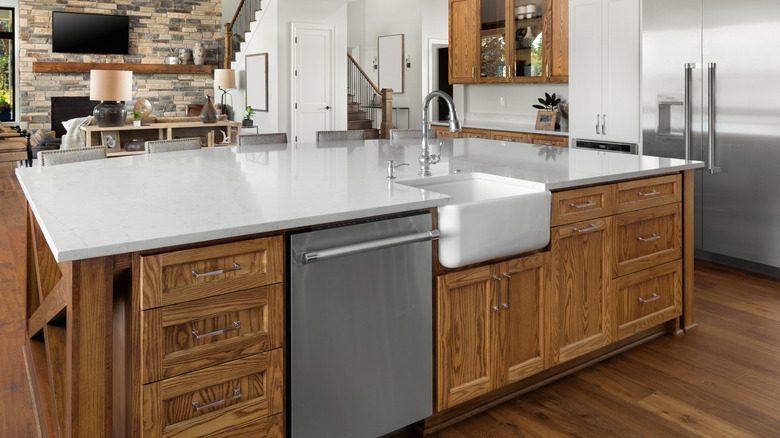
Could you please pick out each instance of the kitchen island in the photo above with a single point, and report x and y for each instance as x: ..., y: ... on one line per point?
x: 112, y: 244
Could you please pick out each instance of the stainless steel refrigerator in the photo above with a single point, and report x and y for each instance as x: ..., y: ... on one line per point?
x: 711, y: 92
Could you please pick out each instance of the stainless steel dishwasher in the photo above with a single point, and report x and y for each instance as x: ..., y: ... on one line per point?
x: 361, y: 328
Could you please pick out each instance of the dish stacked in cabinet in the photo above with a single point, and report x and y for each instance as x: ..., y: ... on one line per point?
x: 212, y: 340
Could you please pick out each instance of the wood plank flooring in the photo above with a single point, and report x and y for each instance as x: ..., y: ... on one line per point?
x: 720, y: 380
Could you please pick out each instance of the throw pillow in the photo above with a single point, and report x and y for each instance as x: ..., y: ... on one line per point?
x: 36, y: 138
x: 73, y: 138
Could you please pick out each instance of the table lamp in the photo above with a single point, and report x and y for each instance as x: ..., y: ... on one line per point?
x: 224, y: 79
x: 111, y: 88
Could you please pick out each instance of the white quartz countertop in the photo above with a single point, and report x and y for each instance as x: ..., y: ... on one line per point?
x: 144, y: 202
x: 504, y: 126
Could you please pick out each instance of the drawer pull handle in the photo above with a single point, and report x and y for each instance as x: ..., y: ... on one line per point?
x: 653, y: 193
x: 508, y: 290
x: 236, y: 395
x: 474, y: 136
x: 495, y: 308
x: 650, y: 300
x: 650, y: 239
x: 509, y: 139
x: 236, y: 326
x: 236, y: 267
x: 592, y: 227
x: 585, y: 205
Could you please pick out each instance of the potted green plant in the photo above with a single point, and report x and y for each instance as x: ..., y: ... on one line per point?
x: 547, y: 116
x: 136, y: 118
x: 247, y: 122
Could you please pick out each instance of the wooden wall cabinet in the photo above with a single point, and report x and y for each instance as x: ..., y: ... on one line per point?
x: 491, y: 327
x: 604, y: 64
x: 489, y: 44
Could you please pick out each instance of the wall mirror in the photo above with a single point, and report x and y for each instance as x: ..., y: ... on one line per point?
x: 257, y: 81
x: 391, y: 62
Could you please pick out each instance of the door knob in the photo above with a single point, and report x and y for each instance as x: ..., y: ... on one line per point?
x: 327, y: 107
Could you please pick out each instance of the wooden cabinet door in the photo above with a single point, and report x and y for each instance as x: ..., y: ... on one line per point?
x: 466, y: 303
x: 522, y: 337
x: 557, y: 45
x: 581, y: 278
x: 464, y: 36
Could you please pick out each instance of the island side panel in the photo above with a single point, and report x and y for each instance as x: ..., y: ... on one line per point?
x: 687, y: 319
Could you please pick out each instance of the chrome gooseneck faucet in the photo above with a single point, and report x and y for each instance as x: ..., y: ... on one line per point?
x: 426, y: 158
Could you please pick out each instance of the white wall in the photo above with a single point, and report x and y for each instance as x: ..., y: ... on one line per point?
x: 483, y: 102
x: 229, y: 9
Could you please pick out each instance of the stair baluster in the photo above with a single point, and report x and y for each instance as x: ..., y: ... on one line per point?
x: 366, y: 100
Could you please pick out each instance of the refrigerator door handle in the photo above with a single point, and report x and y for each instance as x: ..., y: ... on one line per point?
x: 711, y: 134
x: 687, y: 104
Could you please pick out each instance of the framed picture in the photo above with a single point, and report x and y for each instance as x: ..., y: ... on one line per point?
x: 257, y: 81
x: 545, y: 120
x: 110, y: 139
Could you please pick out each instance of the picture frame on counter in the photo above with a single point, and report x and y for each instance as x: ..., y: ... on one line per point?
x: 546, y: 120
x: 110, y: 139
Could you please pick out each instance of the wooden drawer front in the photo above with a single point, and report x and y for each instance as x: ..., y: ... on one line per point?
x: 170, y: 278
x: 445, y: 133
x: 648, y: 298
x: 647, y: 238
x: 581, y: 204
x: 650, y: 192
x: 510, y: 136
x: 171, y: 344
x: 550, y: 140
x: 475, y: 133
x: 242, y: 393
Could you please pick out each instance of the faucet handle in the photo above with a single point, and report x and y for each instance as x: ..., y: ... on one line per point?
x: 391, y: 168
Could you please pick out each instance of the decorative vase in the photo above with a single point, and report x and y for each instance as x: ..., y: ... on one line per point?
x: 528, y: 40
x: 136, y: 123
x: 134, y: 145
x: 247, y: 123
x: 172, y: 60
x: 208, y: 114
x: 198, y: 54
x: 184, y: 56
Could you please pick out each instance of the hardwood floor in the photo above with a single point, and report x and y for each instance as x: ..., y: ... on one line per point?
x: 720, y: 380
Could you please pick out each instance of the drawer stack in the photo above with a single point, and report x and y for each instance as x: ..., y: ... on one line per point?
x: 212, y: 340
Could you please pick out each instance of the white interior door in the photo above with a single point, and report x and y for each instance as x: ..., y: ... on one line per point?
x: 313, y: 80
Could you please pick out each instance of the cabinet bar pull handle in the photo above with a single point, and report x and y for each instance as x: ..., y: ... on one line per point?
x: 508, y: 139
x: 236, y: 267
x: 650, y: 300
x: 585, y: 205
x: 236, y: 326
x: 495, y: 308
x: 604, y: 124
x: 653, y: 193
x: 598, y: 129
x: 236, y: 395
x: 650, y: 239
x: 585, y: 230
x: 473, y: 69
x: 508, y: 290
x: 548, y: 70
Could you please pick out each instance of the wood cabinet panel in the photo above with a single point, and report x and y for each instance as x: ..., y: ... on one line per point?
x: 549, y: 140
x: 198, y: 334
x: 231, y: 399
x: 523, y: 340
x: 647, y: 238
x: 180, y: 276
x: 464, y: 39
x: 474, y: 133
x: 581, y: 279
x: 508, y: 136
x: 464, y: 325
x: 443, y: 132
x: 648, y: 192
x: 582, y: 204
x: 558, y: 41
x: 648, y: 298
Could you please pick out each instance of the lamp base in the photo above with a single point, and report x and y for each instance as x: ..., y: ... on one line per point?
x: 110, y: 114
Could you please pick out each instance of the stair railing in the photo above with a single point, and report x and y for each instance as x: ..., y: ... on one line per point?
x: 378, y: 104
x: 245, y: 14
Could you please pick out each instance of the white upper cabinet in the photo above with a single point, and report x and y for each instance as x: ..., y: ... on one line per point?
x: 604, y: 70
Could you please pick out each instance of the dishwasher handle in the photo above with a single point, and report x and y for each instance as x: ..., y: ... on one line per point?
x: 372, y: 245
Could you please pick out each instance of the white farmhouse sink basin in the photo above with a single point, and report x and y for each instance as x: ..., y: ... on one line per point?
x: 488, y: 217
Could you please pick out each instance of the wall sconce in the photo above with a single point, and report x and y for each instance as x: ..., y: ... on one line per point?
x: 375, y: 64
x: 408, y: 61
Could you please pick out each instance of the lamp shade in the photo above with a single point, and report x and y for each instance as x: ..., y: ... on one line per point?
x: 225, y: 78
x: 110, y: 85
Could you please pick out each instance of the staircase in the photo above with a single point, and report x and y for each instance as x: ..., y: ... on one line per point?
x: 357, y: 121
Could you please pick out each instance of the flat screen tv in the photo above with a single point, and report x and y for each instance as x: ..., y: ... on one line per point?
x: 90, y: 33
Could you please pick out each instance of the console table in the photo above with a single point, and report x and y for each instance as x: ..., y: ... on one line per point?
x: 160, y: 131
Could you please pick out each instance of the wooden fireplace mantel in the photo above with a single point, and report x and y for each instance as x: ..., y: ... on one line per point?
x: 85, y: 67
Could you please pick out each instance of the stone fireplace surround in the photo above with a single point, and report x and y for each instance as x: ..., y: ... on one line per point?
x: 156, y: 26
